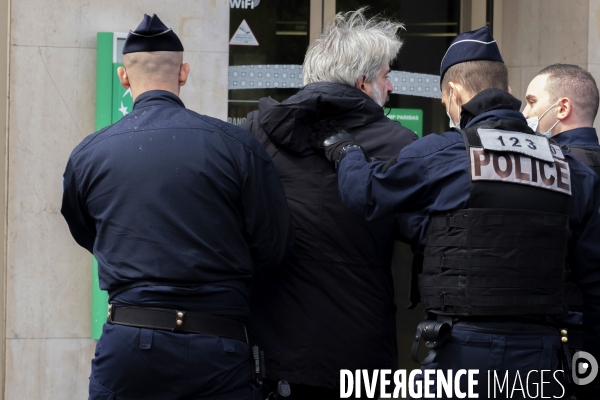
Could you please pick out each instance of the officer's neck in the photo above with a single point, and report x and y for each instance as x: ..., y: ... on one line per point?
x: 140, y: 89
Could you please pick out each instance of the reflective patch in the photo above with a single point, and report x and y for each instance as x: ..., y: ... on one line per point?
x: 556, y: 151
x: 521, y: 169
x: 516, y: 142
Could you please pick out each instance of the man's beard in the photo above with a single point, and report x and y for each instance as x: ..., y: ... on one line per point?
x: 377, y: 96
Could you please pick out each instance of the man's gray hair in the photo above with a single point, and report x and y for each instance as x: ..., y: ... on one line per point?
x: 350, y: 46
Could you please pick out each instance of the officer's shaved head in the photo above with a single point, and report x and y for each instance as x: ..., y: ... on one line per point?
x: 575, y: 83
x: 163, y: 66
x: 156, y: 70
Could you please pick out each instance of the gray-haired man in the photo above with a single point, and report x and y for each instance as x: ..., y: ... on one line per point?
x: 332, y: 306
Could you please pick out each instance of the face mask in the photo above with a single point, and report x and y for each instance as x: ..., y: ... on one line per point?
x: 533, y: 122
x: 548, y: 134
x: 452, y: 124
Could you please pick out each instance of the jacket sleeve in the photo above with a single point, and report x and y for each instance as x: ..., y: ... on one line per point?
x: 377, y: 189
x: 411, y: 229
x: 73, y: 209
x: 248, y: 124
x: 268, y: 226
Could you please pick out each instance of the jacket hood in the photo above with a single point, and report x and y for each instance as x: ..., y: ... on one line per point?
x: 288, y: 124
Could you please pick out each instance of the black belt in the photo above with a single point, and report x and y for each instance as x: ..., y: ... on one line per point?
x: 176, y: 321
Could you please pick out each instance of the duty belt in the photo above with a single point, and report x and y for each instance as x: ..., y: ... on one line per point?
x: 176, y: 321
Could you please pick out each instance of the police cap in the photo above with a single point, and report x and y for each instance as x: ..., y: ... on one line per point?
x: 471, y: 46
x: 152, y: 35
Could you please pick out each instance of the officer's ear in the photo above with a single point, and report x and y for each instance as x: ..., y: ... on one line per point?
x: 509, y: 90
x: 123, y: 78
x: 454, y: 90
x: 565, y: 108
x: 461, y: 94
x: 183, y: 73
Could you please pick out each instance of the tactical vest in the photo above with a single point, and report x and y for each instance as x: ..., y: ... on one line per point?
x: 587, y: 155
x: 504, y: 254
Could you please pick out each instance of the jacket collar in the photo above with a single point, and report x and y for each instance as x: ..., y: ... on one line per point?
x: 289, y: 124
x: 157, y: 97
x: 490, y: 103
x: 579, y: 137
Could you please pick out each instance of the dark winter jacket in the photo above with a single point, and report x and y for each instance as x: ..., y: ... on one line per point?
x: 331, y: 306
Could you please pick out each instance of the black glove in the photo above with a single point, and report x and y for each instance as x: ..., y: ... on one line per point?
x: 333, y: 140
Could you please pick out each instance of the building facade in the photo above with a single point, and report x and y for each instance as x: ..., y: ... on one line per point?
x: 47, y: 106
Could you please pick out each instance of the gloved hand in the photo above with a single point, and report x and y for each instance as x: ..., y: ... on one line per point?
x: 333, y: 140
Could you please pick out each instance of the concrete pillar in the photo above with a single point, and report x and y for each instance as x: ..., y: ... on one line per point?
x: 472, y: 14
x: 594, y: 47
x: 4, y: 31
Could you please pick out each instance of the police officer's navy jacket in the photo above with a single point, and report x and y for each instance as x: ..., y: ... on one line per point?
x: 585, y: 137
x: 583, y: 144
x: 332, y: 307
x: 432, y: 176
x: 174, y: 204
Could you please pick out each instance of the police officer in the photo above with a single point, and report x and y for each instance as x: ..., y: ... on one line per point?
x: 179, y: 209
x: 562, y: 103
x: 499, y: 202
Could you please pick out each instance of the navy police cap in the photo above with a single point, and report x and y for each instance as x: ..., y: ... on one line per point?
x: 152, y: 35
x: 471, y: 46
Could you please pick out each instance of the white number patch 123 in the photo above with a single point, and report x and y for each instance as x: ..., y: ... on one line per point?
x: 516, y: 142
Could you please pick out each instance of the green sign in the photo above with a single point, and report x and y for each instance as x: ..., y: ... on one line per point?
x: 113, y: 102
x: 408, y: 118
x: 122, y: 102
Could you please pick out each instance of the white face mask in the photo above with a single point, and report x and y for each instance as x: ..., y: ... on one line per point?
x: 452, y: 124
x: 533, y: 122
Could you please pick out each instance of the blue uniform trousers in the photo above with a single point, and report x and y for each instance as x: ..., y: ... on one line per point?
x: 515, y: 354
x: 134, y: 363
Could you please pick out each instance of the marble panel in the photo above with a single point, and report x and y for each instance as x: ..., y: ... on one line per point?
x: 73, y: 73
x: 563, y: 32
x: 514, y: 80
x: 594, y: 32
x: 594, y: 69
x: 48, y: 369
x: 46, y: 269
x: 206, y: 89
x: 511, y: 33
x: 544, y: 32
x: 202, y: 24
x: 529, y: 37
x: 48, y: 280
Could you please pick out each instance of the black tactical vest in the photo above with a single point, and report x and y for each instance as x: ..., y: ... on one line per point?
x: 587, y: 155
x: 505, y: 254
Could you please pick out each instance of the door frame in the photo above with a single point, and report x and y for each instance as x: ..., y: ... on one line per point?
x: 321, y: 12
x: 4, y: 103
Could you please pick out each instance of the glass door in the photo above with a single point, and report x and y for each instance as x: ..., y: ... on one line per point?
x: 267, y: 47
